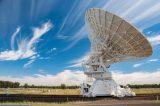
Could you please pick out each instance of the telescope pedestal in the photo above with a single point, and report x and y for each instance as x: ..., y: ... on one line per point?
x: 105, y: 88
x: 104, y: 85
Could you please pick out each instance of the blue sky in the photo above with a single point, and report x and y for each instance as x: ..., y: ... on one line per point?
x: 41, y: 38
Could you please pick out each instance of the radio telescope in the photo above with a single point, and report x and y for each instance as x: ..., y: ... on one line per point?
x: 112, y: 40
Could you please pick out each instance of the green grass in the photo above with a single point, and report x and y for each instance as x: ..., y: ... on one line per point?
x: 49, y: 91
x: 90, y: 103
x: 42, y: 91
x: 147, y: 91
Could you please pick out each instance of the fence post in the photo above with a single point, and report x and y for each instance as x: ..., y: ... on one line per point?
x: 67, y: 98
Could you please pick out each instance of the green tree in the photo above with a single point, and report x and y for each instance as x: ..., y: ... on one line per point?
x: 63, y: 86
x: 26, y: 85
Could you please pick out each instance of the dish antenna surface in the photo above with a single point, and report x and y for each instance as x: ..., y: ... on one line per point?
x: 112, y: 40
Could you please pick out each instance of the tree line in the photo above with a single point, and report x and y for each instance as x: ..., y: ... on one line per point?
x: 62, y: 86
x: 10, y: 84
x: 6, y: 84
x: 145, y: 86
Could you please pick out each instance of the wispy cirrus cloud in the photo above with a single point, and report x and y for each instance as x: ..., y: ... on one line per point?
x: 31, y: 60
x: 76, y: 38
x: 155, y: 40
x: 142, y: 13
x: 151, y: 11
x: 137, y: 65
x: 148, y: 17
x: 41, y: 71
x: 72, y: 19
x: 132, y: 8
x: 147, y: 62
x: 51, y: 50
x: 14, y: 36
x: 26, y: 47
x: 61, y: 37
x: 39, y: 32
x: 73, y: 15
x: 153, y: 60
x: 76, y: 63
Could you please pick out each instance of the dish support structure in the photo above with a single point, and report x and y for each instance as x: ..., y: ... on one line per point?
x: 103, y: 84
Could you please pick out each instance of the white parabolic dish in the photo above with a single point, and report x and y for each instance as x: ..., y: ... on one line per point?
x: 112, y: 40
x: 115, y: 38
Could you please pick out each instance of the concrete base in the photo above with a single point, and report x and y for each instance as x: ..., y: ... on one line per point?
x: 106, y: 88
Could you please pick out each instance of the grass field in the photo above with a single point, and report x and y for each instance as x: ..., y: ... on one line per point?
x: 42, y: 91
x: 89, y: 103
x: 49, y: 91
x: 147, y: 90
